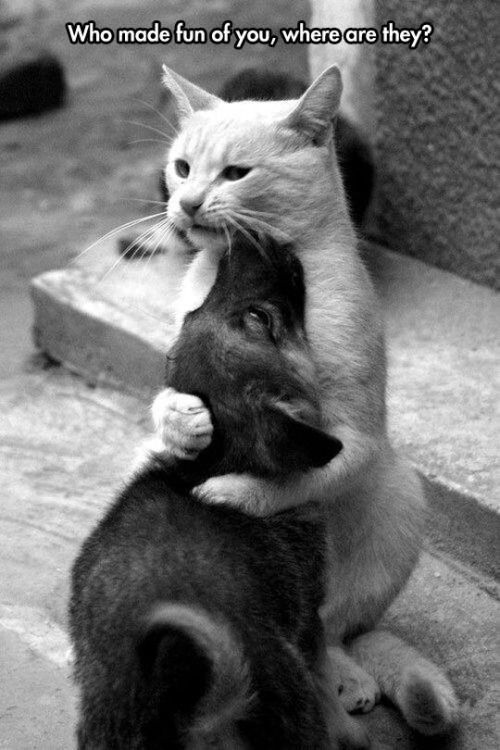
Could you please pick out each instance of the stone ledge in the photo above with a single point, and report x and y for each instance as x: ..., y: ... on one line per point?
x: 109, y: 321
x: 443, y: 358
x: 93, y: 337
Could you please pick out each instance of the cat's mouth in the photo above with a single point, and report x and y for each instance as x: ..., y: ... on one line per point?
x: 205, y: 228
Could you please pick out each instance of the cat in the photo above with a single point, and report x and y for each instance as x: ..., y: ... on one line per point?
x: 271, y: 167
x: 196, y: 626
x: 353, y: 152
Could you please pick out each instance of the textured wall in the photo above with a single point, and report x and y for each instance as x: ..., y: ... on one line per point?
x: 438, y: 140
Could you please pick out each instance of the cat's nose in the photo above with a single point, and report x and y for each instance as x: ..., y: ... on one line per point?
x: 189, y: 207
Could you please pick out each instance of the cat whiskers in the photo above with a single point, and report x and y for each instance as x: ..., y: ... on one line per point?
x: 256, y: 220
x: 139, y: 242
x: 227, y: 234
x: 239, y: 227
x: 114, y: 232
x: 155, y: 237
x: 253, y: 217
x: 247, y: 221
x: 165, y: 229
x: 160, y: 114
x: 148, y: 200
x: 149, y: 140
x: 166, y: 137
x: 253, y: 211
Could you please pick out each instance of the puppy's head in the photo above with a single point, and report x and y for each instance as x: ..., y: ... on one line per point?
x: 245, y: 353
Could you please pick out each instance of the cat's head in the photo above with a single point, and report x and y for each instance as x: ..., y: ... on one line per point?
x: 266, y: 166
x: 246, y: 354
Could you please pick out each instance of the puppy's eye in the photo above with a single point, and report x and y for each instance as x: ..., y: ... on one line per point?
x: 233, y: 172
x: 259, y: 321
x: 182, y: 168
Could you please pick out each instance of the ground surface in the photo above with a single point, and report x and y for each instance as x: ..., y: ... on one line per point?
x: 64, y: 449
x: 66, y: 179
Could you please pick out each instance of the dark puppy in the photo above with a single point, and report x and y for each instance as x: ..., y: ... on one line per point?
x: 245, y: 353
x: 197, y: 626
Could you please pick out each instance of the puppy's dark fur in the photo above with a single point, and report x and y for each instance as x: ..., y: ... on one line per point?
x: 197, y: 626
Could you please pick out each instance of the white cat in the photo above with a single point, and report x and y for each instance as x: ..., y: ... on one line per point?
x: 271, y: 166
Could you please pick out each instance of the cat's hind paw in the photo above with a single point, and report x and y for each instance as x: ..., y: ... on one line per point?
x: 428, y: 702
x: 182, y: 422
x: 357, y: 690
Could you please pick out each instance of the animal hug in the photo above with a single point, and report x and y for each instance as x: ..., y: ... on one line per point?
x: 229, y: 597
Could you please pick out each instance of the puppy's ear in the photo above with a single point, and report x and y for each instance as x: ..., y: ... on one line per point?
x: 313, y: 446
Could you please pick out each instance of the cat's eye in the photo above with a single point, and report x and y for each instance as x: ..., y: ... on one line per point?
x: 234, y: 172
x: 182, y: 168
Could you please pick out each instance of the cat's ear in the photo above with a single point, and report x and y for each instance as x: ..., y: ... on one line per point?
x: 188, y: 97
x: 316, y: 109
x: 314, y: 446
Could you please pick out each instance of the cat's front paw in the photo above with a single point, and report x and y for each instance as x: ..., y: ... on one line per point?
x: 150, y: 452
x: 357, y: 690
x: 182, y: 422
x: 229, y: 489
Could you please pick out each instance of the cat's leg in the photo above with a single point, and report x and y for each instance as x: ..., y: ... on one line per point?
x: 415, y: 685
x: 357, y: 690
x: 182, y: 422
x: 149, y: 453
x: 183, y: 427
x: 264, y: 496
x: 374, y: 534
x: 345, y: 732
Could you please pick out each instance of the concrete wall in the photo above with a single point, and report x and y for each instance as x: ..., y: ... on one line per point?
x: 438, y: 141
x: 433, y: 116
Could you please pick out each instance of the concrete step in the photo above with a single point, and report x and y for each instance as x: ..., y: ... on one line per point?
x: 109, y: 319
x: 444, y: 355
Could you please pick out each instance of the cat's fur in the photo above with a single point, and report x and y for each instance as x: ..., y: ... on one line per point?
x: 375, y: 501
x: 197, y: 626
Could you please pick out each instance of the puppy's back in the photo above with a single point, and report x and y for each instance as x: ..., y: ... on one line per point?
x: 185, y: 619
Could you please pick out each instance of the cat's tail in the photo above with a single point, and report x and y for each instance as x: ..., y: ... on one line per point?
x: 198, y: 668
x: 420, y: 690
